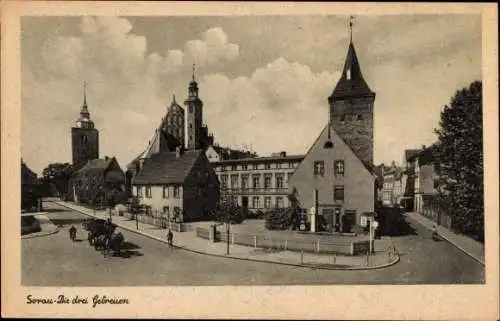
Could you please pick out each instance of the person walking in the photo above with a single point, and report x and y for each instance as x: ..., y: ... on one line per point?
x: 170, y: 239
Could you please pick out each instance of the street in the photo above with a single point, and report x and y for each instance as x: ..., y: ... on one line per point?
x: 56, y: 261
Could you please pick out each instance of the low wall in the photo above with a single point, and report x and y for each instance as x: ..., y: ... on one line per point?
x: 160, y: 222
x: 288, y: 243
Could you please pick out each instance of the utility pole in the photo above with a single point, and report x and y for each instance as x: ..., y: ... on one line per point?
x: 227, y: 235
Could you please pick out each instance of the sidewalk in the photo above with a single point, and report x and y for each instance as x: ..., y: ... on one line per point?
x: 471, y: 247
x: 189, y: 241
x: 47, y: 228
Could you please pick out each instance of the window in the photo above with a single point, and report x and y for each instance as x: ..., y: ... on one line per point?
x: 267, y: 181
x: 279, y: 181
x: 177, y: 212
x: 278, y: 165
x: 244, y: 181
x: 268, y: 166
x: 165, y: 191
x: 244, y: 167
x: 256, y: 181
x: 267, y: 202
x: 139, y: 191
x: 223, y: 181
x: 279, y: 202
x: 290, y: 164
x: 319, y: 168
x: 359, y: 117
x: 339, y: 167
x: 348, y: 74
x: 148, y: 191
x: 177, y: 191
x: 234, y: 181
x: 255, y: 202
x: 166, y: 210
x: 338, y: 193
x: 255, y: 166
x: 233, y: 167
x: 289, y: 177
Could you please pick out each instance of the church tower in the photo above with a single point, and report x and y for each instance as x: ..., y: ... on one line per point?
x: 194, y: 117
x: 351, y: 107
x: 84, y: 137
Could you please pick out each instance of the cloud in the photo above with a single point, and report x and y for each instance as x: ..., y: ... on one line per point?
x: 213, y: 48
x: 124, y: 84
x: 281, y: 106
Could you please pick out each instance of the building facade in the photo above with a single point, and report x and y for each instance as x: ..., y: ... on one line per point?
x: 336, y: 177
x: 335, y: 182
x: 97, y: 179
x: 181, y: 185
x: 257, y: 183
x: 84, y: 138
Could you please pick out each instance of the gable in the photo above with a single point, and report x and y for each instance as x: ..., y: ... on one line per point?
x: 340, y: 151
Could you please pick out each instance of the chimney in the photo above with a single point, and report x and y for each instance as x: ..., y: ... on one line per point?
x: 178, y: 151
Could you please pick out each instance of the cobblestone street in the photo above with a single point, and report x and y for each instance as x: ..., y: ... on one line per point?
x: 55, y: 261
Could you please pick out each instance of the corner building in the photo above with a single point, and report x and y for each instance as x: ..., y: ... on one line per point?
x: 336, y: 176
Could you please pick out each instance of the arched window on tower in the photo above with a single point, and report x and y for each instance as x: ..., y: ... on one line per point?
x: 359, y: 117
x: 190, y: 108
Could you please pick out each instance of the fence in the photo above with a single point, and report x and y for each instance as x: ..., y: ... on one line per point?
x: 292, y: 243
x: 159, y: 220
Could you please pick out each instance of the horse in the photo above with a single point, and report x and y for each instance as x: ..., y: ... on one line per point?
x: 115, y: 244
x: 101, y: 242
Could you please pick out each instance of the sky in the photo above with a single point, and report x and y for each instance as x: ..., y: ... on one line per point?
x: 264, y: 80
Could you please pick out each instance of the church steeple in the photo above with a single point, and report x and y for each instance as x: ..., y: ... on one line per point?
x: 84, y: 113
x: 84, y: 119
x: 351, y: 83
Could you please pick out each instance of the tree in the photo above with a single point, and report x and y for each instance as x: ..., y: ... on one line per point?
x: 460, y: 153
x: 58, y: 175
x: 227, y: 213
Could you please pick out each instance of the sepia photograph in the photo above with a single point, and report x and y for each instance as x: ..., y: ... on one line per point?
x: 217, y: 150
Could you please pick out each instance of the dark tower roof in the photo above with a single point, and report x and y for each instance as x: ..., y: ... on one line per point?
x: 351, y: 83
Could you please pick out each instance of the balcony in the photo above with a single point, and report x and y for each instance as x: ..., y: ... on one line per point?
x: 255, y: 191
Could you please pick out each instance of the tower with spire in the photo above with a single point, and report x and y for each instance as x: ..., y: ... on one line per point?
x: 84, y: 136
x: 194, y: 118
x: 351, y: 106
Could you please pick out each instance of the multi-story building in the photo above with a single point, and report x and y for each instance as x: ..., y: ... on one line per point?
x: 96, y: 179
x: 180, y: 185
x: 336, y: 177
x: 257, y: 183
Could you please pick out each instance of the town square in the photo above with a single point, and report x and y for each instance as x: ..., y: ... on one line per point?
x: 248, y: 157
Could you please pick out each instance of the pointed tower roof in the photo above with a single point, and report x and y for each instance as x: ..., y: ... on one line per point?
x: 84, y: 120
x: 351, y: 82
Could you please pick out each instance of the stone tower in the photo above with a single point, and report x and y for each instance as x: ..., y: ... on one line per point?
x: 84, y: 137
x: 194, y: 117
x: 351, y: 108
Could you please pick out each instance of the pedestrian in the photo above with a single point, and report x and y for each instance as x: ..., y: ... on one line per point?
x: 170, y: 239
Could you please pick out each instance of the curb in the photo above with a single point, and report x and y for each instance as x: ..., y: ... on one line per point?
x: 40, y: 234
x: 449, y: 241
x: 322, y: 267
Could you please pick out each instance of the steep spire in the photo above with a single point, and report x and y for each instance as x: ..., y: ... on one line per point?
x: 351, y: 82
x: 351, y: 22
x: 84, y: 112
x: 193, y: 71
x: 84, y: 93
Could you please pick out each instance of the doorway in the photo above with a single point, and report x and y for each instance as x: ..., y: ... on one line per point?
x: 244, y: 203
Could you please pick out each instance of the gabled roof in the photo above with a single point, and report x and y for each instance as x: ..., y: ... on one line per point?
x: 98, y: 164
x: 351, y: 82
x: 159, y: 139
x: 166, y: 168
